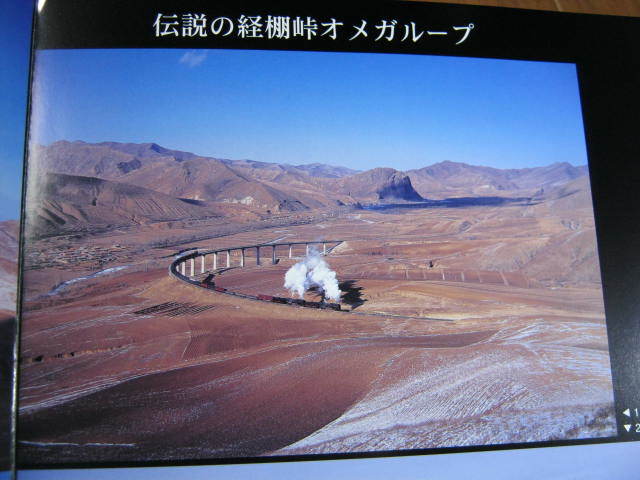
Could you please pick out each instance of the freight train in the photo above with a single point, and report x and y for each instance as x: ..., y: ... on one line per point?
x: 299, y: 302
x: 209, y: 285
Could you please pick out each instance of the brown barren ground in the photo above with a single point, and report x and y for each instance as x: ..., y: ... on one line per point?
x: 465, y: 326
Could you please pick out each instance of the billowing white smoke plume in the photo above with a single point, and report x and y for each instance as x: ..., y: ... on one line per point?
x: 312, y: 271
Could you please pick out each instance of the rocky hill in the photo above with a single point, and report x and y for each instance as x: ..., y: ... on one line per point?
x: 69, y: 203
x: 398, y: 187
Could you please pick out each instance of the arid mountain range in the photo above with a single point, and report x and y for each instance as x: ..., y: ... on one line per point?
x: 123, y: 183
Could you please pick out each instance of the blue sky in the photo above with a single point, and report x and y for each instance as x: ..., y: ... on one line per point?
x: 15, y: 30
x: 350, y: 109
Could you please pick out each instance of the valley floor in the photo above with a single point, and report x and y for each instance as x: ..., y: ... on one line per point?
x: 518, y: 352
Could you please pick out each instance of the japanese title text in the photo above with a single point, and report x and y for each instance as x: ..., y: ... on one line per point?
x: 284, y: 28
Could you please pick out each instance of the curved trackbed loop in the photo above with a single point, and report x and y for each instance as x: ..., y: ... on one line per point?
x: 178, y: 269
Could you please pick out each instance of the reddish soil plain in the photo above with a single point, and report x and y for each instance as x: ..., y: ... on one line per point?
x: 9, y: 232
x: 461, y: 326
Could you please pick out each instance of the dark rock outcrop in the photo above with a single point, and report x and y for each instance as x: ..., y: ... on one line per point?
x: 398, y: 187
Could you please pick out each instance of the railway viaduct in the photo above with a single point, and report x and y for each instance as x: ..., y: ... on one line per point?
x: 191, y: 264
x: 190, y: 267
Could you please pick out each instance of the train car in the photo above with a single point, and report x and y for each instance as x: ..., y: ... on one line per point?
x: 220, y: 289
x: 332, y: 306
x: 296, y: 301
x: 280, y: 300
x: 313, y: 305
x: 265, y: 298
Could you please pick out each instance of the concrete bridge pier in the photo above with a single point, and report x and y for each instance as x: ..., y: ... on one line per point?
x: 185, y: 266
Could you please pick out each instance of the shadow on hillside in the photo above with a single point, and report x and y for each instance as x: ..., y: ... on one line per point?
x: 455, y: 202
x: 351, y: 293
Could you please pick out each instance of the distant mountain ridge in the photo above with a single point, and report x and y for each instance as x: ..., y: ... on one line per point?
x: 261, y: 185
x: 171, y: 177
x: 446, y: 178
x: 326, y: 171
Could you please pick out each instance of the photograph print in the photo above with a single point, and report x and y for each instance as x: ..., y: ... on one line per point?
x: 237, y: 254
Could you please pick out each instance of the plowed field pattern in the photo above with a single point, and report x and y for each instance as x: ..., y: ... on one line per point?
x: 138, y: 366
